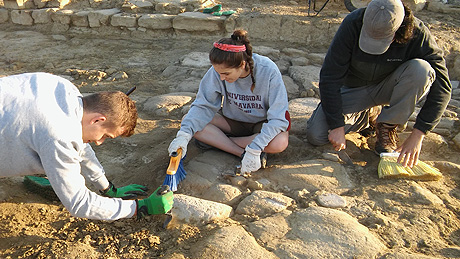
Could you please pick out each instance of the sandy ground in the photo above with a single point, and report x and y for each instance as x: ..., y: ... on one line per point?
x: 33, y: 227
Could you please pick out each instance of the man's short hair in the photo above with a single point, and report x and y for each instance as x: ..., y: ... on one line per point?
x: 117, y: 107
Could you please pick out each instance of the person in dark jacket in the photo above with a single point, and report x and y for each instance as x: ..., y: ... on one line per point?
x: 380, y: 64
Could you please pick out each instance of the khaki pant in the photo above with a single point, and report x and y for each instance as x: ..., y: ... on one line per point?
x: 398, y: 94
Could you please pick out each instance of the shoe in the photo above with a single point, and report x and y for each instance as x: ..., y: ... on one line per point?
x: 263, y: 160
x: 374, y: 112
x: 387, y: 138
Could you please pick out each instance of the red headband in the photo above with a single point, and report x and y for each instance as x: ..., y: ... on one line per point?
x: 230, y: 48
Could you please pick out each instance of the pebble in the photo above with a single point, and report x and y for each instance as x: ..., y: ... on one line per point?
x: 331, y: 157
x: 254, y: 185
x: 331, y: 200
x: 238, y: 181
x: 264, y: 182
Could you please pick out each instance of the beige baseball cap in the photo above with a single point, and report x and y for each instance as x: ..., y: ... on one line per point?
x: 382, y: 18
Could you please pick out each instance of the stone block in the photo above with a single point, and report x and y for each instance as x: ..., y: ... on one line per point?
x: 230, y: 24
x: 4, y: 15
x: 262, y: 26
x: 22, y: 17
x: 101, y: 17
x: 62, y: 16
x: 306, y: 76
x: 142, y: 4
x: 197, y: 211
x: 59, y: 27
x: 456, y: 140
x: 43, y: 15
x: 313, y: 33
x: 138, y: 6
x: 263, y: 203
x: 80, y: 19
x: 40, y: 3
x: 195, y: 21
x: 124, y: 20
x: 156, y: 21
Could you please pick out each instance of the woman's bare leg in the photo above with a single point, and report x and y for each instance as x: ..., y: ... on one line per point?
x: 214, y: 134
x: 278, y: 144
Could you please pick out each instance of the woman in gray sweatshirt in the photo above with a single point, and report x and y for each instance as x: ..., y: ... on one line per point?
x: 241, y: 106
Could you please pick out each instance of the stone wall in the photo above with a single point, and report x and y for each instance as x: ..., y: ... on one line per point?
x: 115, y: 22
x: 154, y: 19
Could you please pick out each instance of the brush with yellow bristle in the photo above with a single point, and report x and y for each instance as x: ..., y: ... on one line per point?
x: 390, y: 168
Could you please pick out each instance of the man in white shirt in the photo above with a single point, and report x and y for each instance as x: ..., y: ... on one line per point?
x: 46, y: 126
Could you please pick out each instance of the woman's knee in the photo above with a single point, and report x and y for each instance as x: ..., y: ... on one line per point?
x: 278, y: 144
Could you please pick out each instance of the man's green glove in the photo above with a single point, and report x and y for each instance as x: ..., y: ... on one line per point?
x: 160, y: 202
x: 127, y: 192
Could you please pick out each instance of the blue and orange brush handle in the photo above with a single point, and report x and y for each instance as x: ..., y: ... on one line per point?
x: 174, y: 162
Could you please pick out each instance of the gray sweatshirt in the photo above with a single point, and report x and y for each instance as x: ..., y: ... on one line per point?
x: 268, y: 101
x: 41, y: 133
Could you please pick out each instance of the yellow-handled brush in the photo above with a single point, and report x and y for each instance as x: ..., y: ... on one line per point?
x: 175, y: 171
x: 390, y: 168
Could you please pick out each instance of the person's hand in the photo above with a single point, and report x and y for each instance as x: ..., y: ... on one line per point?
x: 181, y: 141
x: 409, y: 151
x: 337, y: 138
x: 127, y: 192
x: 251, y: 160
x: 160, y: 202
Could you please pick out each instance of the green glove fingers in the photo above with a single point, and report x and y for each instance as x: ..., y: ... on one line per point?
x: 160, y: 202
x: 225, y: 13
x: 127, y: 192
x: 131, y: 191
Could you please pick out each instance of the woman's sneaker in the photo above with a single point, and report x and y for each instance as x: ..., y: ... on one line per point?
x: 263, y: 160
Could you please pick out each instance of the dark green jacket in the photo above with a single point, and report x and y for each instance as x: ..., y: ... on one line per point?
x: 346, y: 64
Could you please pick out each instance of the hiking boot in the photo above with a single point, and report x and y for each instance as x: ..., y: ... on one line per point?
x: 374, y: 112
x: 387, y: 138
